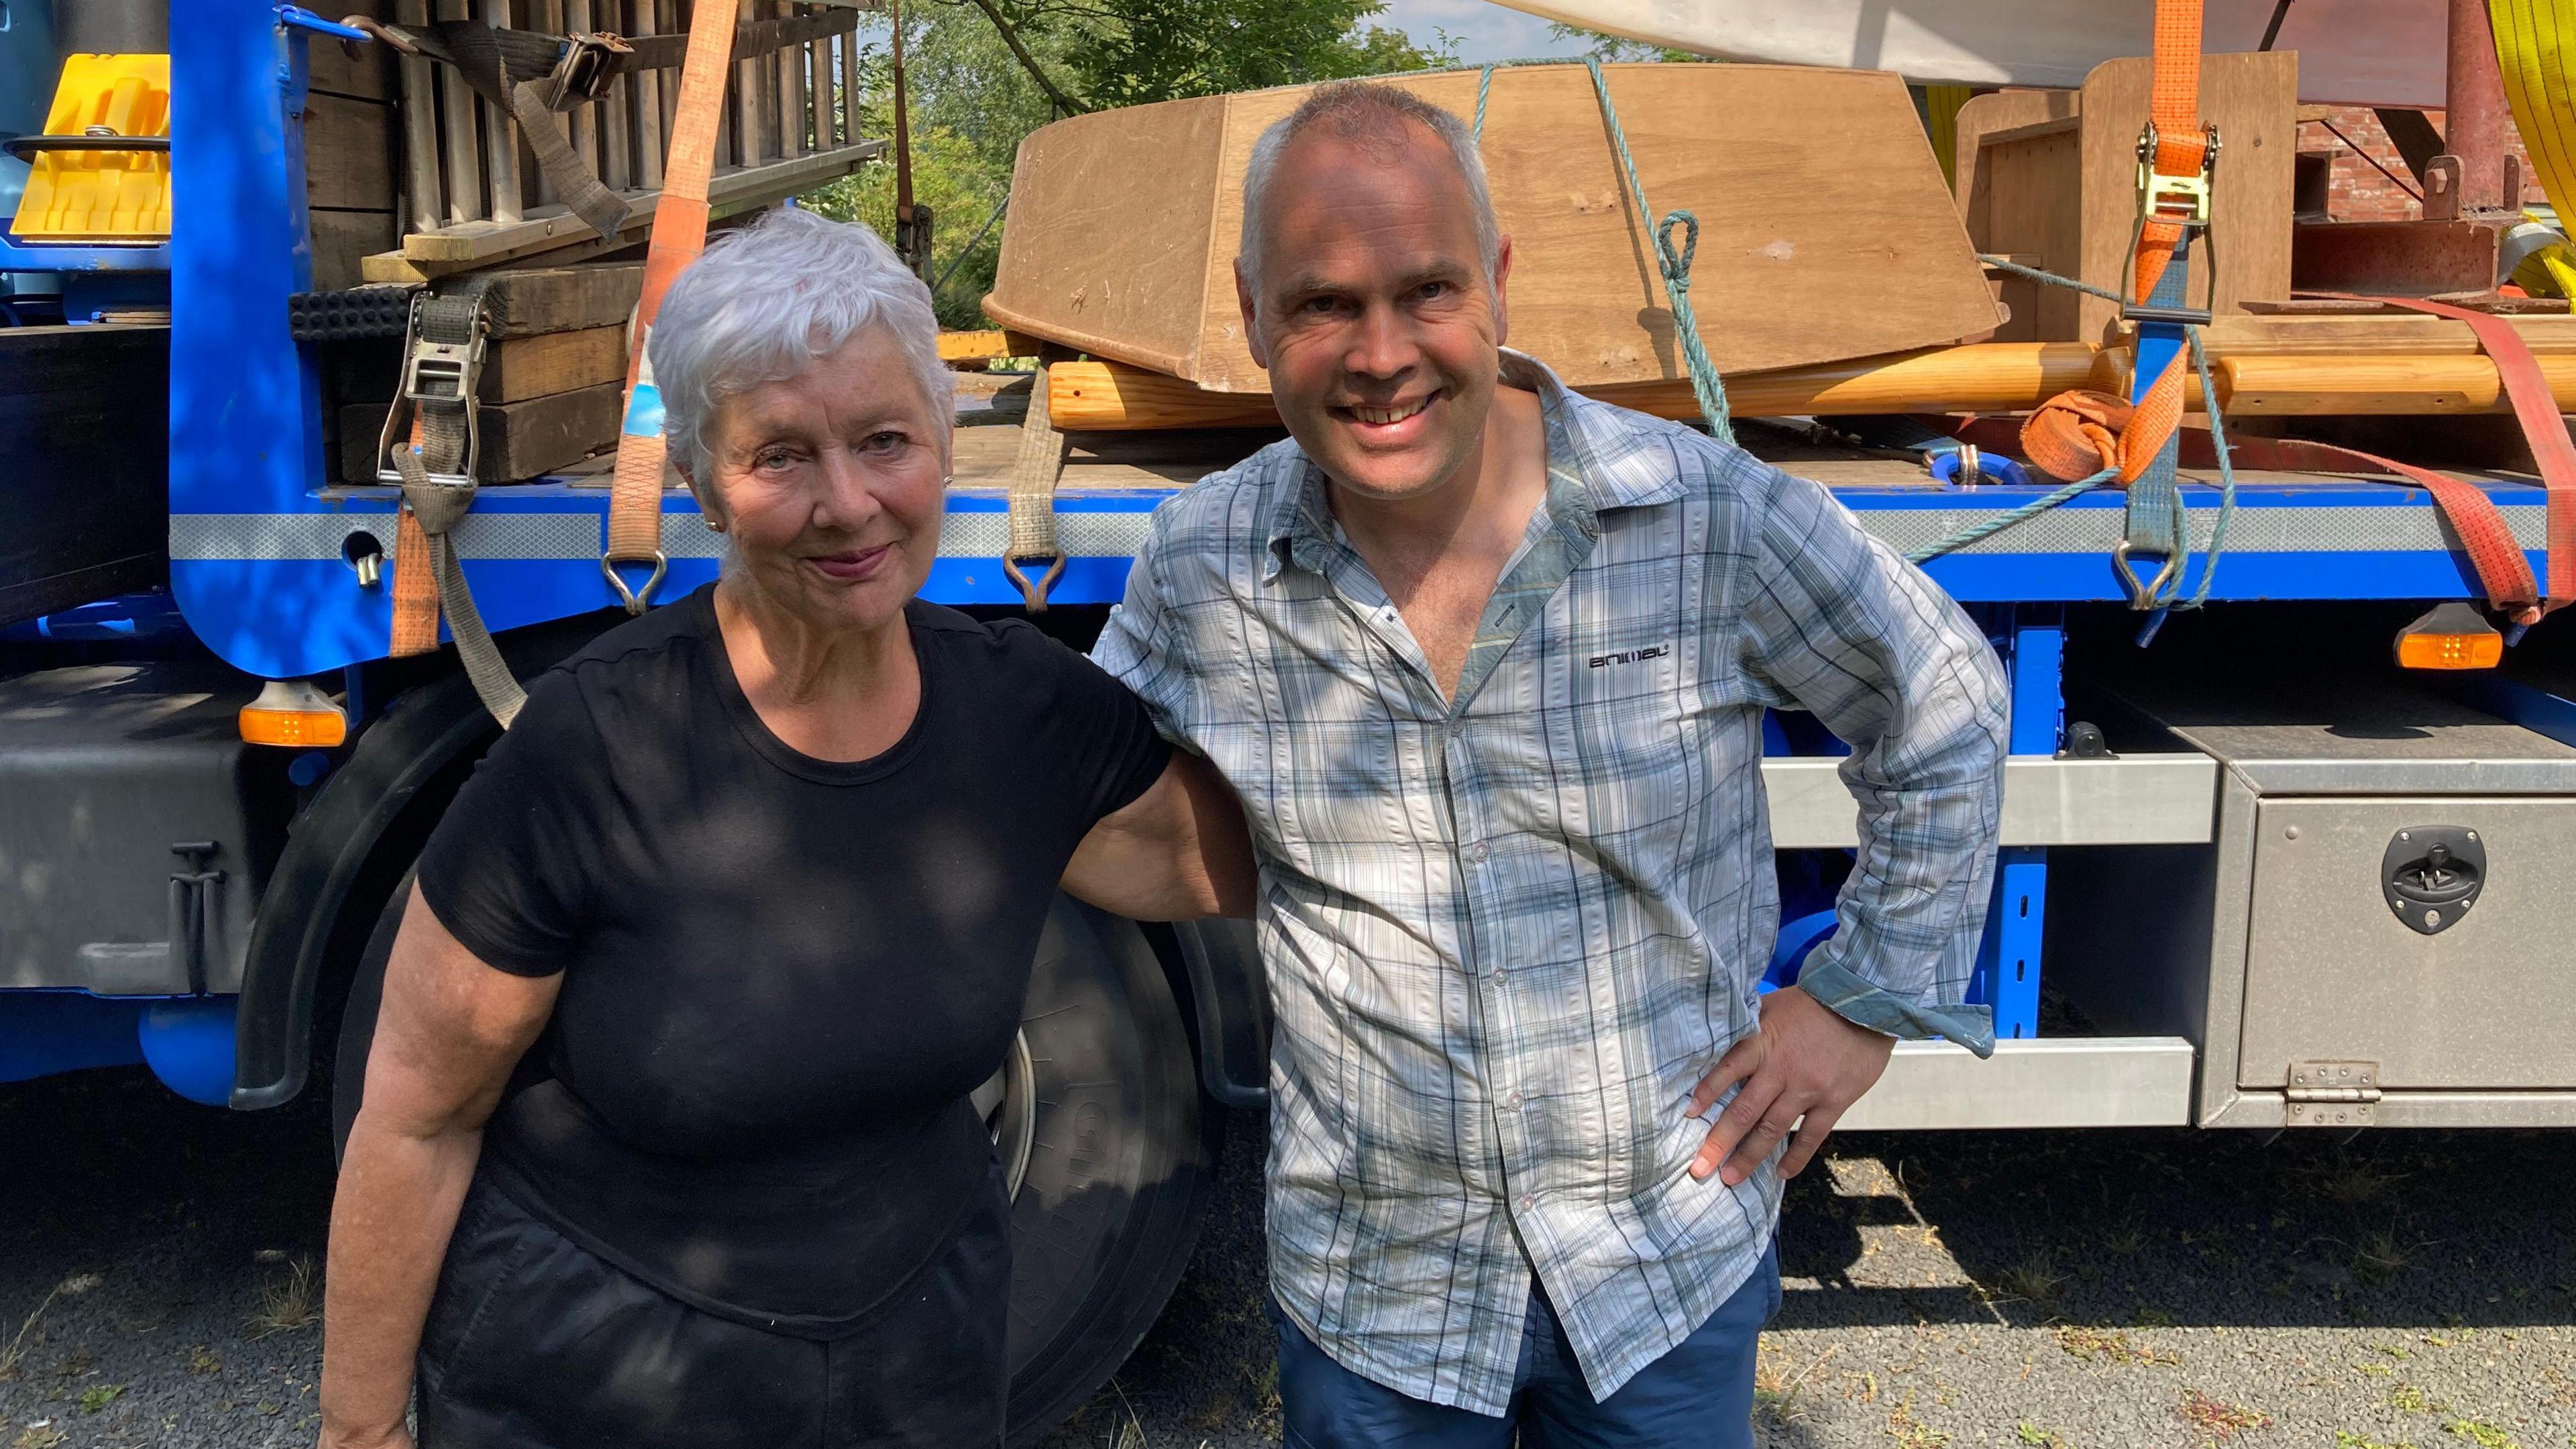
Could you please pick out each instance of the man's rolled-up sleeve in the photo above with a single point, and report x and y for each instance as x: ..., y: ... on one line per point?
x: 1835, y: 623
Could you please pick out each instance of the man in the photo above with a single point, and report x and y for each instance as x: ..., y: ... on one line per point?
x: 1487, y: 662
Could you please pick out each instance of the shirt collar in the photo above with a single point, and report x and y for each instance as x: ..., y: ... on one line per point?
x: 1613, y: 473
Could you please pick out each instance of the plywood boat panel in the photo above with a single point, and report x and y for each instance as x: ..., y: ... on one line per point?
x: 1825, y: 232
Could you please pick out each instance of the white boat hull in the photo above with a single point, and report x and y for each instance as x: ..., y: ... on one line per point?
x: 2351, y: 52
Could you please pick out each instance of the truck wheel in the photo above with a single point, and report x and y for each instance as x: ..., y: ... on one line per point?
x: 1099, y: 1100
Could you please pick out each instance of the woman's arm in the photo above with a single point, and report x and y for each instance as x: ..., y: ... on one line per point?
x: 447, y: 1036
x: 1177, y: 851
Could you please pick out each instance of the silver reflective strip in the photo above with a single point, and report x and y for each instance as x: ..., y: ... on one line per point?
x: 267, y: 536
x: 2264, y: 530
x: 1082, y: 535
x: 263, y: 536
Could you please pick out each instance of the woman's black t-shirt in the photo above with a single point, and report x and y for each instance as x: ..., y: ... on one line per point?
x: 782, y: 975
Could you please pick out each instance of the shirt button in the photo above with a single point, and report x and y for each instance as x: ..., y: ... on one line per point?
x: 1478, y: 851
x: 1528, y: 1202
x: 1513, y: 1100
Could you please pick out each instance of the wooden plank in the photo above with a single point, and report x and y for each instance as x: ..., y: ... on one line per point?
x: 586, y: 119
x: 2253, y: 100
x: 616, y: 108
x: 342, y: 241
x: 364, y: 71
x: 563, y: 299
x: 2297, y: 335
x: 818, y: 88
x: 790, y: 65
x: 850, y: 104
x: 426, y: 198
x: 745, y: 112
x: 501, y: 138
x: 975, y: 347
x: 547, y: 16
x: 648, y: 105
x: 1986, y: 115
x: 520, y: 440
x: 550, y: 362
x: 348, y: 153
x: 457, y: 109
x: 2029, y: 183
x: 483, y: 244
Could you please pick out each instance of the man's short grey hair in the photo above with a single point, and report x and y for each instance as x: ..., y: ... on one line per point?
x: 1365, y: 112
x: 768, y: 299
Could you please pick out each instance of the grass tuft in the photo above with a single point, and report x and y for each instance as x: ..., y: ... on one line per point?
x: 289, y: 1300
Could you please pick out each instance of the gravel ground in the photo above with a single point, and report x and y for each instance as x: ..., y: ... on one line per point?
x: 2102, y: 1289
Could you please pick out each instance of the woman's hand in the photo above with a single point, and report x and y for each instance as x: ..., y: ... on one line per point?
x: 1176, y: 852
x: 447, y: 1036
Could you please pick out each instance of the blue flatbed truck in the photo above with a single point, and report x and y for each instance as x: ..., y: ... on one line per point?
x: 2202, y: 916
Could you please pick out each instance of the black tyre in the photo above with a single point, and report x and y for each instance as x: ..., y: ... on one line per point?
x: 1104, y: 1109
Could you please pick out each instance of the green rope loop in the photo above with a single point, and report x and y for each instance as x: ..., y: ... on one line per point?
x: 1706, y: 386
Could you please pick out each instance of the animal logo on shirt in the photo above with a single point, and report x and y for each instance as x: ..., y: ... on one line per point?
x: 1631, y: 656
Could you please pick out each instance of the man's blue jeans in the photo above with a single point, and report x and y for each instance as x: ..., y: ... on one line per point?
x: 1698, y: 1395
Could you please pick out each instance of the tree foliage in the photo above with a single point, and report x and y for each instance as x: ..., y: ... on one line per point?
x: 1608, y: 48
x: 971, y: 98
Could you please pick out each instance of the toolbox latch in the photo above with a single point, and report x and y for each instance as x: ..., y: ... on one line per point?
x: 2333, y: 1094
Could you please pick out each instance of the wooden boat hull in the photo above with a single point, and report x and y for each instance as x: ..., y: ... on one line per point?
x: 2351, y: 52
x: 1826, y: 231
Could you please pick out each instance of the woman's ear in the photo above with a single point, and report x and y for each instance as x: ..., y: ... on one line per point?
x: 708, y: 508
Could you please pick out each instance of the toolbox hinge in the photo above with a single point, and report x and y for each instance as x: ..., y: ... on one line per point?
x: 2333, y: 1094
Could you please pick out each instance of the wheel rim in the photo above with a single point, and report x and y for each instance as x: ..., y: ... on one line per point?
x: 1008, y: 1102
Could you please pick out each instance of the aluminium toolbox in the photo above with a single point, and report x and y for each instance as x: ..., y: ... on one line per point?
x: 2384, y: 929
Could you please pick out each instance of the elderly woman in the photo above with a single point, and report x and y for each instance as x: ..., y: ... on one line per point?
x: 760, y: 876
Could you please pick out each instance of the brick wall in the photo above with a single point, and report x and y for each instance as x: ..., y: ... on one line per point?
x: 2360, y: 192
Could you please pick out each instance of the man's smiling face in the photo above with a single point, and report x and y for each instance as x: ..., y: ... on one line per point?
x: 1374, y: 314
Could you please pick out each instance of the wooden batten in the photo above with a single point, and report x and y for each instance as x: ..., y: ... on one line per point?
x: 1824, y: 228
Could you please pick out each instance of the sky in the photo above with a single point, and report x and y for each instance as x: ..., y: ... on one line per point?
x: 1483, y: 31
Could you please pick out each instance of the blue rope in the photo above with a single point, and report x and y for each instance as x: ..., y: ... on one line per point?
x: 1676, y: 267
x: 1484, y: 88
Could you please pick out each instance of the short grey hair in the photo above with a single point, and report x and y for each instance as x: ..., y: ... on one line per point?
x: 1362, y: 111
x: 768, y: 299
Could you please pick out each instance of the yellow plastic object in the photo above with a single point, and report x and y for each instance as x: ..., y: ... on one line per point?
x: 2536, y: 49
x: 102, y: 196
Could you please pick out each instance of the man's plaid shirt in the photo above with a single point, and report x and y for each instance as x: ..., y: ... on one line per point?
x: 1506, y: 933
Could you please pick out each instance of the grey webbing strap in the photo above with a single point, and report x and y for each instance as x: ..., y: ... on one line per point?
x: 446, y: 447
x: 603, y: 210
x: 2155, y: 513
x: 1033, y: 479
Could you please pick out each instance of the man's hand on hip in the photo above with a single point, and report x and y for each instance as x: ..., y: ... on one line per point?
x: 1803, y: 1060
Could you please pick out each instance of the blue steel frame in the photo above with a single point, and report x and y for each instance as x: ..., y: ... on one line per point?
x: 246, y: 459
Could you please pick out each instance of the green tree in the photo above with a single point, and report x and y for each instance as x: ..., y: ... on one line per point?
x: 1156, y: 50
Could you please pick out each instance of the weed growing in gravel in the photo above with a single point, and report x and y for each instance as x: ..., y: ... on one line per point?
x: 2408, y: 1399
x: 2108, y: 1345
x: 2481, y: 1433
x: 2031, y: 1434
x: 288, y: 1300
x: 2218, y: 1420
x: 71, y: 1287
x: 2383, y: 1256
x: 1912, y: 1433
x: 99, y: 1396
x: 2034, y: 1279
x: 202, y: 1361
x: 2349, y: 1180
x: 40, y: 1435
x: 2347, y: 1439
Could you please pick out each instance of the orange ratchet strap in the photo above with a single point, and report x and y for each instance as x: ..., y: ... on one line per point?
x: 679, y: 235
